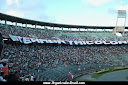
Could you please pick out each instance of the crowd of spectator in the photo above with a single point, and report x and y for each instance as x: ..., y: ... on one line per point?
x: 8, y: 73
x: 58, y: 34
x: 26, y: 32
x: 26, y: 62
x: 34, y: 59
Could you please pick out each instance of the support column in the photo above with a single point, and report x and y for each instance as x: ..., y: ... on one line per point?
x: 70, y: 29
x: 104, y: 29
x: 62, y: 29
x: 22, y: 25
x: 124, y: 27
x: 115, y: 29
x: 6, y: 24
x: 35, y: 25
x: 96, y: 30
x: 26, y: 25
x: 44, y: 28
x: 16, y: 25
x: 87, y: 29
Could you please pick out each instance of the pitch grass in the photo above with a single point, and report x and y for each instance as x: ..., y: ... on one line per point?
x: 88, y: 80
x: 102, y: 72
x: 127, y: 77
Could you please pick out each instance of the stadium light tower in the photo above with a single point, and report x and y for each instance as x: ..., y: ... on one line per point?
x: 121, y: 14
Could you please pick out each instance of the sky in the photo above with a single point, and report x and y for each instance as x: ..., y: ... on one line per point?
x: 71, y: 12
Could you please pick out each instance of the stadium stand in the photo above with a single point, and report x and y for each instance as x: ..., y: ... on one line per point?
x: 58, y: 34
x: 47, y: 62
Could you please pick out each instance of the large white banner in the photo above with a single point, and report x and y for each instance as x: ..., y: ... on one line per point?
x: 27, y: 40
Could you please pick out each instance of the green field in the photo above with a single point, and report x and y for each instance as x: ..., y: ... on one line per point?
x: 127, y: 77
x: 102, y: 72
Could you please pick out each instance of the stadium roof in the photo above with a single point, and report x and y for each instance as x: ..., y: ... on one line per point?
x: 33, y: 22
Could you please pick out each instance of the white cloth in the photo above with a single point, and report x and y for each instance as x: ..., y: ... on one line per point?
x: 1, y: 66
x: 2, y: 79
x: 32, y: 78
x: 26, y: 79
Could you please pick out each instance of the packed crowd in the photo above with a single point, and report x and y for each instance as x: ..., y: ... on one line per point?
x: 7, y: 73
x: 58, y: 34
x: 34, y: 59
x: 26, y: 32
x: 26, y: 62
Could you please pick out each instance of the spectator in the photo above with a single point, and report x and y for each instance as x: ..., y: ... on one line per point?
x: 27, y: 78
x: 17, y: 75
x: 36, y: 58
x: 12, y: 77
x: 32, y: 78
x: 5, y: 69
x: 1, y: 77
x: 10, y: 70
x: 59, y: 35
x: 1, y: 66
